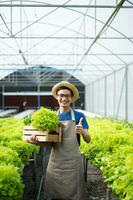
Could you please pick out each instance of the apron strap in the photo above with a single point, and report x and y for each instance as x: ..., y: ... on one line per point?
x: 72, y: 114
x: 57, y: 112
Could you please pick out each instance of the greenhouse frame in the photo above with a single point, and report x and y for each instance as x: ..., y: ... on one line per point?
x: 89, y: 43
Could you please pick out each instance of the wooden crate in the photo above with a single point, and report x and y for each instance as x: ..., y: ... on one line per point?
x: 42, y: 136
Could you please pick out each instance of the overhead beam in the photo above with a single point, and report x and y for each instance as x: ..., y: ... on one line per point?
x: 64, y: 37
x: 63, y: 6
x: 67, y: 54
x: 59, y: 65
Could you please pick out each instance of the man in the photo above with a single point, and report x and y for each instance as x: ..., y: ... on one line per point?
x: 65, y: 173
x: 65, y: 177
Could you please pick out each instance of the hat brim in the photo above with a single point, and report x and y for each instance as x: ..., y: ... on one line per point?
x: 67, y: 85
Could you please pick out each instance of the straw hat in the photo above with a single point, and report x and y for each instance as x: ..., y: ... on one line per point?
x: 67, y: 85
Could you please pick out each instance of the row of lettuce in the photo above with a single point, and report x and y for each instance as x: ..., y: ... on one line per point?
x: 14, y: 155
x: 111, y: 150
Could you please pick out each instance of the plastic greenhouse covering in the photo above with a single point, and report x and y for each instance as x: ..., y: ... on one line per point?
x: 91, y: 40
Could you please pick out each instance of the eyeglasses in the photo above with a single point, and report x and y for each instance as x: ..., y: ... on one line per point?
x: 67, y: 96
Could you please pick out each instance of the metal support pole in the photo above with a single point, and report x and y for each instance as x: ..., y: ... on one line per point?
x: 121, y: 92
x: 44, y: 152
x: 107, y: 194
x: 114, y: 92
x: 11, y: 17
x: 95, y: 19
x: 35, y: 173
x: 92, y: 99
x: 3, y: 100
x: 105, y: 96
x: 38, y: 97
x: 126, y: 93
x: 85, y: 165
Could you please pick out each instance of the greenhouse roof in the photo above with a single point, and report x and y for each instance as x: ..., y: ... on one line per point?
x: 88, y: 39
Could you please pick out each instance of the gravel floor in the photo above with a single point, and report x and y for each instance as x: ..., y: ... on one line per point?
x: 96, y: 188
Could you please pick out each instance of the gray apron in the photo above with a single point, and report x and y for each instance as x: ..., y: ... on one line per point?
x: 65, y: 173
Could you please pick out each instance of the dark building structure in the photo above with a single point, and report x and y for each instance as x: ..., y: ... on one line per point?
x: 31, y: 88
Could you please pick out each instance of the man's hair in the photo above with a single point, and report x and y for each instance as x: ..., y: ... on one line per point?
x: 64, y: 87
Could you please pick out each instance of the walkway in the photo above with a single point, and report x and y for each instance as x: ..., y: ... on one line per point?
x: 96, y: 187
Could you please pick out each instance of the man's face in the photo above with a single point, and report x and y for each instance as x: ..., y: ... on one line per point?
x: 64, y: 97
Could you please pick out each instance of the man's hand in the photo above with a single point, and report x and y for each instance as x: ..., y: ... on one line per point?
x: 79, y: 127
x: 32, y: 139
x: 84, y: 132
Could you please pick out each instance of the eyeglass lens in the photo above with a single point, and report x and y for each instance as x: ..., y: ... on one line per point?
x: 64, y: 95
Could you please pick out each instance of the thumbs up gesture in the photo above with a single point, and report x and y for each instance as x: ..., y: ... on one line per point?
x: 79, y: 127
x: 80, y: 121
